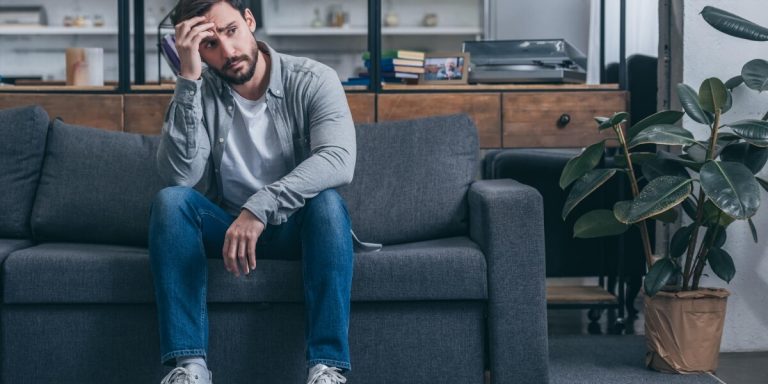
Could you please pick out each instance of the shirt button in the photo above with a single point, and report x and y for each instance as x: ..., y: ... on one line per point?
x: 221, y: 139
x: 229, y: 108
x: 277, y: 92
x: 191, y: 93
x: 217, y: 171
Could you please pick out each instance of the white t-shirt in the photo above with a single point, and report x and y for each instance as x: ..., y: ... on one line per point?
x: 252, y: 156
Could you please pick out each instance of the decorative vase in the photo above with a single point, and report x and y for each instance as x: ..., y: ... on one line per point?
x: 391, y: 19
x: 683, y: 330
x: 430, y: 20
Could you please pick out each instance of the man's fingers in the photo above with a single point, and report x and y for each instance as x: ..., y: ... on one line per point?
x: 232, y: 255
x: 242, y: 250
x: 225, y: 253
x: 252, y: 253
x: 198, y: 38
x: 186, y: 25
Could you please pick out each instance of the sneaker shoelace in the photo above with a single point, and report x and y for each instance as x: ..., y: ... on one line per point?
x: 328, y: 375
x: 178, y: 375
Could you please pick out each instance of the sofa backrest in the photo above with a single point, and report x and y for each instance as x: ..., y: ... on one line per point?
x: 410, y: 182
x: 22, y: 145
x: 95, y: 186
x: 411, y: 179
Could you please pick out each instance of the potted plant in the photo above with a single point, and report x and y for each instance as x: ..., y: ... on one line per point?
x: 714, y: 183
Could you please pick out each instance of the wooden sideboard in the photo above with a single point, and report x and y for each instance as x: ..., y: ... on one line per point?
x: 506, y: 116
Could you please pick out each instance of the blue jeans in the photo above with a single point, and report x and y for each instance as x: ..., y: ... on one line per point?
x: 186, y: 229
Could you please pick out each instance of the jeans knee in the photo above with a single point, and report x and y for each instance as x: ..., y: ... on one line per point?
x: 328, y: 207
x: 171, y: 199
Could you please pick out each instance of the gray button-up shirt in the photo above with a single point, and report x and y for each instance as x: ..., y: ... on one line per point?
x: 309, y: 108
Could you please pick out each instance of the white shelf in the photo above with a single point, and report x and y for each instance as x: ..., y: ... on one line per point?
x: 356, y: 31
x: 321, y: 31
x: 43, y: 30
x: 431, y: 31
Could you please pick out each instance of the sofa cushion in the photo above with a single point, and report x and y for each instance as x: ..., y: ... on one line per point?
x: 411, y: 179
x: 9, y: 245
x: 446, y: 269
x: 96, y: 186
x: 22, y: 146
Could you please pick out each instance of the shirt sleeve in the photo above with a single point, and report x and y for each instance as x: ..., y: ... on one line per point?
x: 184, y: 146
x: 331, y: 162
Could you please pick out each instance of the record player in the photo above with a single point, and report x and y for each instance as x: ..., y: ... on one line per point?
x: 525, y: 61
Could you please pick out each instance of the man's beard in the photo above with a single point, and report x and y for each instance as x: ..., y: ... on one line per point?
x: 244, y: 76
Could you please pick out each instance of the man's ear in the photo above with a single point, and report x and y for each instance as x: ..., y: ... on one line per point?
x: 250, y: 20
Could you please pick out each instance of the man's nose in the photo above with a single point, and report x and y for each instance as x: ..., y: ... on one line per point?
x: 227, y: 47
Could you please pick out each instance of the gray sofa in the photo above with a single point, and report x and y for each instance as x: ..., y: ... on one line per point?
x: 458, y: 288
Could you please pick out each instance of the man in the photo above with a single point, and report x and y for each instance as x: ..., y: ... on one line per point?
x: 448, y: 71
x: 266, y: 137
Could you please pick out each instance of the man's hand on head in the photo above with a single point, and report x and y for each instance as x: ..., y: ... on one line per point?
x: 240, y: 243
x: 189, y: 34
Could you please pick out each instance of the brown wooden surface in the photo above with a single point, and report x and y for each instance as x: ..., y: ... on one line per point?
x: 530, y: 118
x: 144, y: 113
x: 362, y: 106
x: 577, y: 294
x: 495, y: 87
x: 483, y: 108
x: 98, y: 111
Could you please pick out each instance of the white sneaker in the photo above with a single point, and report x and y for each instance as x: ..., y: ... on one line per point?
x: 189, y: 374
x: 322, y: 374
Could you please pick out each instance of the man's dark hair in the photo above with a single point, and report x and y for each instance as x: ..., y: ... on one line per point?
x: 187, y: 9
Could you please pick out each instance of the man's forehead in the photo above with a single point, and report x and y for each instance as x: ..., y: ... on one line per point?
x: 222, y: 15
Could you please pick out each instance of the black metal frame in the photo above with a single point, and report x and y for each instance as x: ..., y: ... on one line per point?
x: 374, y: 47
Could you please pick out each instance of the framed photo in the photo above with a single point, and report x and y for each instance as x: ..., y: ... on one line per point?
x: 445, y: 68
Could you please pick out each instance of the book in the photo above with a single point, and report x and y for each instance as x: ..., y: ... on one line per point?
x: 168, y: 49
x: 397, y: 54
x: 398, y: 68
x: 392, y: 75
x: 402, y: 62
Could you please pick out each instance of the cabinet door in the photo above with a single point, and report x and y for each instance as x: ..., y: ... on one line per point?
x: 97, y: 111
x: 483, y: 108
x: 144, y: 113
x: 557, y: 119
x: 362, y: 106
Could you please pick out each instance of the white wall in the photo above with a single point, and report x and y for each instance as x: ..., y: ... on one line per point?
x: 707, y: 53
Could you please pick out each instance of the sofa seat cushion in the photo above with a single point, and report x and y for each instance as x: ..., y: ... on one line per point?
x: 445, y: 269
x: 9, y: 245
x: 22, y: 145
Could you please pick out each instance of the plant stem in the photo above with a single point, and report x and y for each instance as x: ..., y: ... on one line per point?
x: 646, y: 240
x: 701, y: 260
x: 692, y: 241
x: 699, y: 211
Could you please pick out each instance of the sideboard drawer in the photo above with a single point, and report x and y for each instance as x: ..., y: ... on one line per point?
x: 557, y: 119
x: 483, y: 108
x: 97, y: 111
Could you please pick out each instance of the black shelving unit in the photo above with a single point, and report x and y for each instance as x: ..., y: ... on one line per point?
x: 374, y: 44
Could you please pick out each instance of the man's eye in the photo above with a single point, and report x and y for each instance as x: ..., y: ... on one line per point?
x: 209, y: 44
x: 231, y: 31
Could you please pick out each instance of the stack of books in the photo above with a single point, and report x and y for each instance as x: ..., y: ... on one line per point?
x: 397, y: 66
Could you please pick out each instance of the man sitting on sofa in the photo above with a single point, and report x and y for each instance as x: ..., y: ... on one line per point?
x: 265, y: 137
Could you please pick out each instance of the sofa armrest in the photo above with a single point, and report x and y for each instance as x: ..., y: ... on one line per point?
x: 506, y: 219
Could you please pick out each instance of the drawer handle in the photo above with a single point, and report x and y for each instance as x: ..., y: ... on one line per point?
x: 563, y: 120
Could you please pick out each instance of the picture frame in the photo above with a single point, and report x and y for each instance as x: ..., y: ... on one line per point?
x: 445, y: 68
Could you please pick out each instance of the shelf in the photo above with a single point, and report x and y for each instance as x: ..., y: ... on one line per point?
x: 43, y: 30
x: 497, y: 87
x: 432, y: 31
x: 361, y: 31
